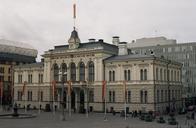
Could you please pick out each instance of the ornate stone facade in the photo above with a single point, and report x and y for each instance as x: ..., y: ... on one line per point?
x: 152, y: 83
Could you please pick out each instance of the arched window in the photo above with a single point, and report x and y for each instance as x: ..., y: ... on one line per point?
x: 64, y: 71
x: 145, y: 74
x: 56, y: 72
x: 73, y: 71
x: 141, y: 74
x: 91, y: 71
x: 82, y: 71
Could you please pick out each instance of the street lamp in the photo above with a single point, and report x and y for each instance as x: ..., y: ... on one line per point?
x: 62, y: 94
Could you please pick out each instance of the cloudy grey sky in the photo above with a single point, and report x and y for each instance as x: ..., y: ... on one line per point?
x: 45, y: 23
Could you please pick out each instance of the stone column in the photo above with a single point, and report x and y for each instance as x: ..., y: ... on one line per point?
x: 68, y: 73
x: 77, y: 73
x: 86, y: 72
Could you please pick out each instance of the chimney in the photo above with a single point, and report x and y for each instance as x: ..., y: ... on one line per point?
x: 101, y: 40
x: 91, y: 40
x: 122, y: 48
x: 115, y: 40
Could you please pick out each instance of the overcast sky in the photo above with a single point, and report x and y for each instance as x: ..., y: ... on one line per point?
x: 45, y: 23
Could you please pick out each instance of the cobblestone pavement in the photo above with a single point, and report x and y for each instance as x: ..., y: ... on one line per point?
x: 95, y: 120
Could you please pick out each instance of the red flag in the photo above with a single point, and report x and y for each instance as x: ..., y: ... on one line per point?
x: 74, y: 11
x: 54, y: 87
x: 103, y: 90
x: 1, y: 88
x: 24, y: 87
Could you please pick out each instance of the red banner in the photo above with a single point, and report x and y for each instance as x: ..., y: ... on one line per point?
x: 69, y: 87
x: 54, y: 88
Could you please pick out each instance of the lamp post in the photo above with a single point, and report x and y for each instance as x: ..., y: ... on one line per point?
x: 62, y: 95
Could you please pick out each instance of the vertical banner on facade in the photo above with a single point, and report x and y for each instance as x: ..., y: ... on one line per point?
x: 69, y: 86
x: 54, y: 88
x: 103, y: 90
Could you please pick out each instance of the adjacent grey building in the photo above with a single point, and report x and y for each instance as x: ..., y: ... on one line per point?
x: 184, y: 53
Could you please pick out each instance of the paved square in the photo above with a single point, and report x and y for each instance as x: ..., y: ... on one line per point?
x: 95, y: 120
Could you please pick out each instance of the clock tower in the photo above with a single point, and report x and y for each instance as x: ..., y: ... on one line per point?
x: 74, y: 40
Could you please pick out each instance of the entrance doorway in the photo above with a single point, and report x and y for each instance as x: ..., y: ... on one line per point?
x: 64, y: 99
x: 82, y: 102
x: 73, y: 100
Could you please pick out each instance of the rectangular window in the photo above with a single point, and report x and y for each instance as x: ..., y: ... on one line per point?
x: 129, y: 97
x: 19, y: 96
x: 40, y: 78
x: 110, y: 96
x: 19, y: 78
x: 30, y: 77
x: 129, y: 75
x: 40, y: 96
x: 2, y: 70
x: 113, y: 99
x: 158, y: 96
x: 125, y: 74
x: 91, y: 96
x: 29, y: 96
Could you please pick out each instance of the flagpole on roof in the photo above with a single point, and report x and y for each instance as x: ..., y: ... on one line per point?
x: 74, y: 14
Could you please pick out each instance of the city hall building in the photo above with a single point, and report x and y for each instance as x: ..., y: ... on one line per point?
x: 152, y: 83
